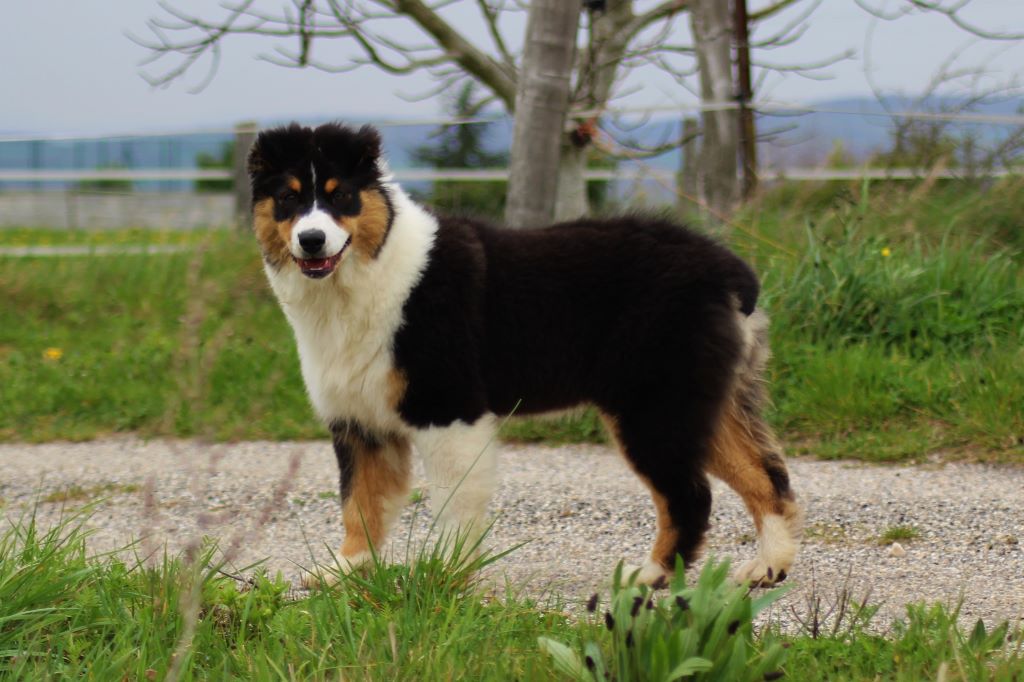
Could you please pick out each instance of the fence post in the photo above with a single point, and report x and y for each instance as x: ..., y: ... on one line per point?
x: 245, y: 135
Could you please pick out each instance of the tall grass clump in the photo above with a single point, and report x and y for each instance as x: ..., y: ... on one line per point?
x: 41, y: 573
x: 915, y: 297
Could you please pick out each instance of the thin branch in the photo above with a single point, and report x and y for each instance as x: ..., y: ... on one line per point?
x: 631, y: 149
x: 951, y: 12
x: 484, y: 68
x: 771, y: 10
x: 807, y: 69
x: 785, y: 35
x: 665, y: 10
x: 491, y: 15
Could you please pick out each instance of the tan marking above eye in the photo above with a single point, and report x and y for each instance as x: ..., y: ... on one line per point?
x: 294, y: 184
x: 331, y: 185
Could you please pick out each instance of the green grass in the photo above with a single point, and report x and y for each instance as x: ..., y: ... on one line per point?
x: 76, y: 493
x: 897, y: 330
x: 897, y: 318
x: 928, y: 644
x: 179, y: 344
x: 25, y: 236
x: 64, y: 614
x: 898, y: 533
x: 577, y: 426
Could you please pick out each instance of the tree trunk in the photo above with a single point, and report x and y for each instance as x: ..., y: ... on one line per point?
x: 542, y: 98
x: 572, y: 202
x: 711, y: 25
x: 598, y: 67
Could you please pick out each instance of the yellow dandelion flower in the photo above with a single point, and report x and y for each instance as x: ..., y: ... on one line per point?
x: 886, y: 252
x: 53, y: 354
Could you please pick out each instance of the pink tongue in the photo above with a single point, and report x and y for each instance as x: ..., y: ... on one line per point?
x: 315, y: 263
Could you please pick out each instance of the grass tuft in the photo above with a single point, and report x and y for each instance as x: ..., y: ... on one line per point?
x: 76, y: 493
x: 898, y: 534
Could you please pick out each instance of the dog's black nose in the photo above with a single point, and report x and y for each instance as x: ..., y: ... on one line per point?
x: 312, y: 241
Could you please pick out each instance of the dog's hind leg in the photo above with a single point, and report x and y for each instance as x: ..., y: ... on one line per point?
x: 746, y: 455
x: 375, y: 472
x: 669, y: 461
x: 461, y: 467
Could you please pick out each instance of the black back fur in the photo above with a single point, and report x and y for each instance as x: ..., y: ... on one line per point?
x: 604, y: 311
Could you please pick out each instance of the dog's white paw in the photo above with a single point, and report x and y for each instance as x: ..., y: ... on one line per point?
x: 759, y: 572
x: 318, y: 579
x: 328, y: 576
x: 651, y: 574
x: 777, y: 546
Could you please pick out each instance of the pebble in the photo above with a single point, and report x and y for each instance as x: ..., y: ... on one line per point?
x: 579, y: 509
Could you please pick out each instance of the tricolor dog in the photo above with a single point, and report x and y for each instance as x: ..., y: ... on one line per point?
x: 417, y: 329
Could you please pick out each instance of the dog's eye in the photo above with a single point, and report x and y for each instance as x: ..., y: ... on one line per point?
x: 288, y: 197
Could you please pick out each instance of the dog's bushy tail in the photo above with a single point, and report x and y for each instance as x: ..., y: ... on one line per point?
x: 744, y: 444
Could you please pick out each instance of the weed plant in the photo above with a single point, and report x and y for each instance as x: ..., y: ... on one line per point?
x: 704, y: 632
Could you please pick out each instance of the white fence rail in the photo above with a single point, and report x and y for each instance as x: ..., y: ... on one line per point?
x: 73, y: 197
x: 631, y: 174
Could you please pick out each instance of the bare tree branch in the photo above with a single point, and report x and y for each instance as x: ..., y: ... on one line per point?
x: 772, y: 10
x: 175, y: 34
x: 790, y: 31
x: 812, y: 70
x: 949, y: 10
x: 491, y: 15
x: 665, y: 10
x: 620, y: 147
x: 484, y: 68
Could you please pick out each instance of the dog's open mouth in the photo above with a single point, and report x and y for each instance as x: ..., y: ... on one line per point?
x: 317, y: 268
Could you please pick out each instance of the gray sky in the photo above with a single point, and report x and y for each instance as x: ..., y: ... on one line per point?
x: 68, y: 67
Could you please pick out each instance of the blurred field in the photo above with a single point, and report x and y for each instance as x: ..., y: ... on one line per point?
x: 898, y: 321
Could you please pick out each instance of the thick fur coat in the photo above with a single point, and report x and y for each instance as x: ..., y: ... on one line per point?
x: 419, y: 329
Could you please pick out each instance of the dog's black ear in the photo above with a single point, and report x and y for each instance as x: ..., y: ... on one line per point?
x: 369, y: 144
x: 279, y: 148
x: 350, y: 153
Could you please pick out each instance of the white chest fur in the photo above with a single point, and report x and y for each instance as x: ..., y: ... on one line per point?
x: 345, y: 324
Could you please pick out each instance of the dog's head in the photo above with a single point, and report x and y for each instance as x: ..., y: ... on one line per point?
x: 318, y: 195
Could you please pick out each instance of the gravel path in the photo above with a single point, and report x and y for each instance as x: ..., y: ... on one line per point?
x: 578, y: 506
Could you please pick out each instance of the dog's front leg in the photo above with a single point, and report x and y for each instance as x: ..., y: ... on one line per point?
x: 375, y: 472
x: 461, y: 467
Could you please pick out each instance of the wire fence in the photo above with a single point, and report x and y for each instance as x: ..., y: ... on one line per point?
x: 95, y: 171
x: 799, y: 174
x: 762, y: 107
